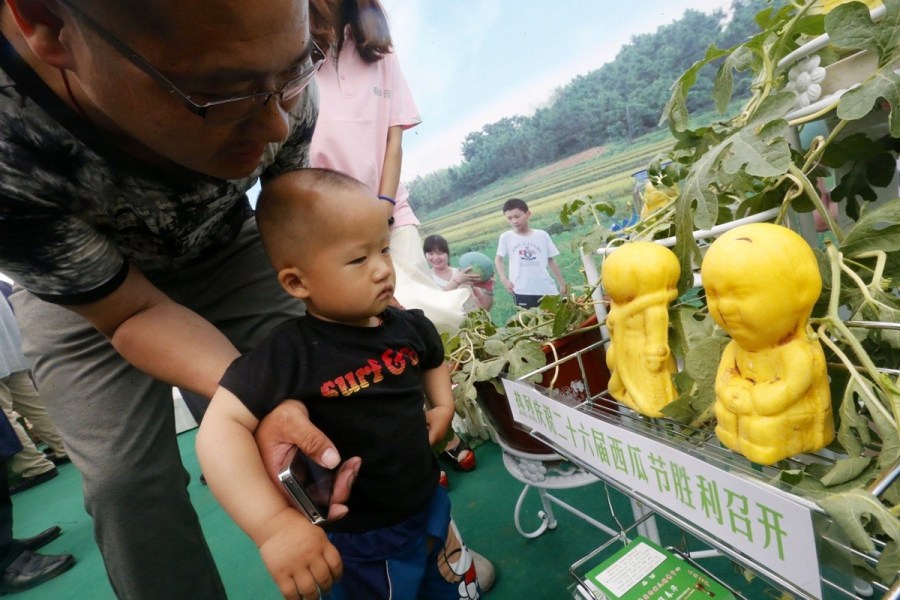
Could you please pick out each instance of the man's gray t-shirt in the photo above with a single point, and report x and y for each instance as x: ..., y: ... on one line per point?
x: 75, y: 210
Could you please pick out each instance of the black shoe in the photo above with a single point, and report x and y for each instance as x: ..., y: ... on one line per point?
x: 25, y: 483
x: 56, y: 460
x: 30, y: 569
x: 42, y: 539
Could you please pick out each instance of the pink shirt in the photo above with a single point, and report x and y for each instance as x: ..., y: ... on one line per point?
x: 358, y: 103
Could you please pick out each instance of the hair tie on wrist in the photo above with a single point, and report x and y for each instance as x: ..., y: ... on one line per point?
x: 388, y: 199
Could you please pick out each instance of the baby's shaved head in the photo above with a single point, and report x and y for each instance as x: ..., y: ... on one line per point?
x: 300, y: 210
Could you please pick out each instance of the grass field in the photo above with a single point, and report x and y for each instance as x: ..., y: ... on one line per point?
x: 473, y: 223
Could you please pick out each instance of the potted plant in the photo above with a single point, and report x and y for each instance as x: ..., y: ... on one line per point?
x: 480, y: 353
x: 746, y: 164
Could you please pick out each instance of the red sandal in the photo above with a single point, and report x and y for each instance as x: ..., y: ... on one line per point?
x: 461, y: 456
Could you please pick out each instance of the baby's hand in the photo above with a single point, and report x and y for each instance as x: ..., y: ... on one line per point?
x: 438, y: 420
x: 299, y: 556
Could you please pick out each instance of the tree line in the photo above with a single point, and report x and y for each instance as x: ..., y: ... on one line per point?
x: 621, y: 100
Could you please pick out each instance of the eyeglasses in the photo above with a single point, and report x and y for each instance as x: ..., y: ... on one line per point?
x: 214, y: 112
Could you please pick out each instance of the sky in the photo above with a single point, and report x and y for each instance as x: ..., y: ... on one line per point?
x: 473, y: 62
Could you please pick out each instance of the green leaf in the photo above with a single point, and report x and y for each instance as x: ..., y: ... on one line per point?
x: 853, y: 432
x: 764, y: 153
x: 565, y: 317
x: 686, y: 248
x: 680, y: 409
x: 489, y: 369
x: 846, y: 470
x: 865, y: 164
x: 852, y: 510
x: 526, y: 356
x: 704, y: 404
x: 739, y: 60
x: 850, y: 26
x: 878, y: 230
x: 759, y: 149
x: 676, y: 108
x: 496, y: 347
x: 689, y: 326
x: 702, y: 362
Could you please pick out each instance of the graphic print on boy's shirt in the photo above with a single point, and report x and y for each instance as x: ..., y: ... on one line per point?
x: 395, y: 361
x: 527, y: 253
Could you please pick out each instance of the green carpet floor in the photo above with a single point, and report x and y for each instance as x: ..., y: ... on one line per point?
x: 483, y: 503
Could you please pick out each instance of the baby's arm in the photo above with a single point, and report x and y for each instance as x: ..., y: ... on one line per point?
x: 297, y: 554
x: 440, y: 396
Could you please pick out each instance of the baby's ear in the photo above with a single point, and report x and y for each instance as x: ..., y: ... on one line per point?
x: 292, y: 280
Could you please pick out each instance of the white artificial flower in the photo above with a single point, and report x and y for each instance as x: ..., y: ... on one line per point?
x: 804, y: 79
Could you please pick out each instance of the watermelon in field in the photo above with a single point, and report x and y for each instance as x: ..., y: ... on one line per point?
x: 481, y: 265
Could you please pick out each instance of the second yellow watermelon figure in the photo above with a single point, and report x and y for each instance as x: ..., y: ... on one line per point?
x: 772, y: 395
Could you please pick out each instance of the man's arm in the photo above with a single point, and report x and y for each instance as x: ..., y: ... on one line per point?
x: 297, y: 554
x: 178, y: 346
x: 160, y: 337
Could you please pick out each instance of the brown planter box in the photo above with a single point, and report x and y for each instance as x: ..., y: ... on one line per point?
x: 496, y: 405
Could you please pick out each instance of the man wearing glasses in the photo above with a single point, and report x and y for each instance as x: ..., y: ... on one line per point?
x: 130, y: 131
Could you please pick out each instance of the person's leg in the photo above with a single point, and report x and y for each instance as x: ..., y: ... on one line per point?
x: 28, y: 402
x: 119, y: 428
x: 29, y: 461
x: 450, y: 572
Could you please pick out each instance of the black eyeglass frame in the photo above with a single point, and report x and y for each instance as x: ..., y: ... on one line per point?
x: 257, y: 99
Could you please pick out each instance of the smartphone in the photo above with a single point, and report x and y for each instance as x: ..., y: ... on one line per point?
x: 309, y: 487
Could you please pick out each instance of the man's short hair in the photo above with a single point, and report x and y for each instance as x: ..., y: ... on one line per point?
x: 515, y: 203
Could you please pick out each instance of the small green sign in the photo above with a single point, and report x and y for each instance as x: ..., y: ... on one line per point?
x: 643, y: 570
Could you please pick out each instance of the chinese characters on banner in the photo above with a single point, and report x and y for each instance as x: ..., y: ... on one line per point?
x: 769, y: 526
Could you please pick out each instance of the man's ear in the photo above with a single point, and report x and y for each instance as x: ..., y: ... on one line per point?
x: 293, y: 282
x: 42, y: 29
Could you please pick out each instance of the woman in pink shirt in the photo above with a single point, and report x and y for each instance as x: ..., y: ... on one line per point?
x: 364, y: 107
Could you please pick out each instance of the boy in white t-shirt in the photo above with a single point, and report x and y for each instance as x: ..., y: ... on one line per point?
x: 531, y: 263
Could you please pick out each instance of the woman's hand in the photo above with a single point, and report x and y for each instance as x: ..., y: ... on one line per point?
x: 288, y: 426
x: 465, y: 277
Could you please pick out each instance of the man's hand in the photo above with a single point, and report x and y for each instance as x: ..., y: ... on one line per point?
x: 288, y: 426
